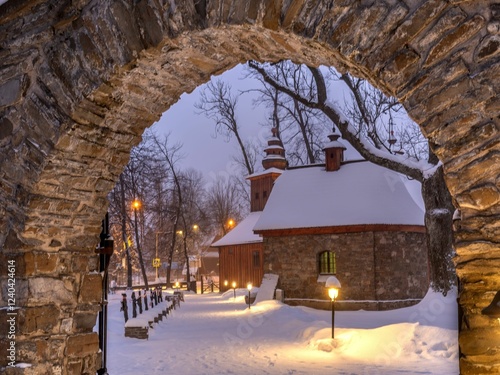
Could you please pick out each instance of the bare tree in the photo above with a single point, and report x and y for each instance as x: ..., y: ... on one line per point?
x: 223, y: 203
x: 368, y: 128
x: 301, y: 128
x: 129, y: 220
x: 219, y: 104
x: 169, y: 154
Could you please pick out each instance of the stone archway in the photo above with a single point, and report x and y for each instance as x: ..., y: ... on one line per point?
x: 81, y: 80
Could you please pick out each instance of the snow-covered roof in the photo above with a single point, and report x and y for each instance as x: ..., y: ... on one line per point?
x: 334, y: 144
x: 269, y: 170
x: 210, y: 254
x: 242, y: 233
x: 274, y: 147
x: 274, y: 157
x: 358, y: 193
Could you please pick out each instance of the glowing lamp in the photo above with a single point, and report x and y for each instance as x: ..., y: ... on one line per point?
x: 249, y: 287
x: 333, y: 293
x: 234, y: 289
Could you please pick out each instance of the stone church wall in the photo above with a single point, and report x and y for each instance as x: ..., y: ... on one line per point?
x: 371, y: 266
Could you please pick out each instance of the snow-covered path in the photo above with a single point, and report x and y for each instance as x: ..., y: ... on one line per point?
x: 214, y: 334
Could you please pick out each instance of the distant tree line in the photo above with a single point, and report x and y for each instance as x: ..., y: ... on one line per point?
x: 158, y: 206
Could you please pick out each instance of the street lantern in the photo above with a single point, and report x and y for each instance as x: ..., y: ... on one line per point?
x: 225, y: 285
x: 136, y: 204
x: 234, y: 289
x: 177, y: 285
x: 249, y: 287
x: 333, y: 285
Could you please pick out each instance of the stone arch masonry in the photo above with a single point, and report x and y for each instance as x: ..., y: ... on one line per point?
x: 80, y: 81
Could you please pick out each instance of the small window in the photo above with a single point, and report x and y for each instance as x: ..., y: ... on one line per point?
x: 256, y: 258
x: 230, y: 251
x: 327, y: 263
x: 256, y: 195
x: 264, y: 194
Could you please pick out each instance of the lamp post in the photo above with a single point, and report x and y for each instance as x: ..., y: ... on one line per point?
x: 234, y: 289
x: 249, y: 287
x: 333, y: 285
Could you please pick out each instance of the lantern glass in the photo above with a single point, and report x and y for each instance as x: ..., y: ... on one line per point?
x: 249, y: 286
x: 333, y: 293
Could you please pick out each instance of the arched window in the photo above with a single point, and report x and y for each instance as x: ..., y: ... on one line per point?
x: 327, y: 263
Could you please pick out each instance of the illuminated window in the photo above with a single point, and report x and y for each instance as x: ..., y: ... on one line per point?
x: 327, y: 263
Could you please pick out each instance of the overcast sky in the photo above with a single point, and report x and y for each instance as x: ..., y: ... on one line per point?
x: 202, y: 150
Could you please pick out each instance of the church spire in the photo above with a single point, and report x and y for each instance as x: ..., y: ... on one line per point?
x: 275, y: 153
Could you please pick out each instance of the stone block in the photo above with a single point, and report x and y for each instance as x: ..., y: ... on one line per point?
x: 6, y: 128
x: 137, y: 332
x: 74, y: 368
x: 480, y: 342
x: 84, y: 321
x: 470, y: 366
x: 91, y: 289
x: 79, y: 263
x: 82, y: 345
x: 463, y: 32
x: 11, y: 91
x: 45, y: 262
x: 40, y: 319
x: 50, y: 290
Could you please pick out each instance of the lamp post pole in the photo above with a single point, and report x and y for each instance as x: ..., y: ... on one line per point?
x: 249, y: 287
x: 157, y: 233
x: 333, y: 318
x: 333, y: 285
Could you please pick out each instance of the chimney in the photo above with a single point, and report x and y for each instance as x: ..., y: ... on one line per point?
x: 334, y: 152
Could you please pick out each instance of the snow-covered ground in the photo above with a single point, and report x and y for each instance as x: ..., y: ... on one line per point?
x: 217, y: 334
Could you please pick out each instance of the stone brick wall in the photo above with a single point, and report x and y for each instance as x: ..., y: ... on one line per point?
x: 81, y: 80
x: 374, y: 266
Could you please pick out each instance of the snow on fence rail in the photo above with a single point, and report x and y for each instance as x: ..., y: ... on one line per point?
x: 139, y: 327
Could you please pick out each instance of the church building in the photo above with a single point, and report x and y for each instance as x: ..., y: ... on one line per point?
x: 353, y: 219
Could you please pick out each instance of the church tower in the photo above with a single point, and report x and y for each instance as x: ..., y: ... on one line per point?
x: 274, y: 163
